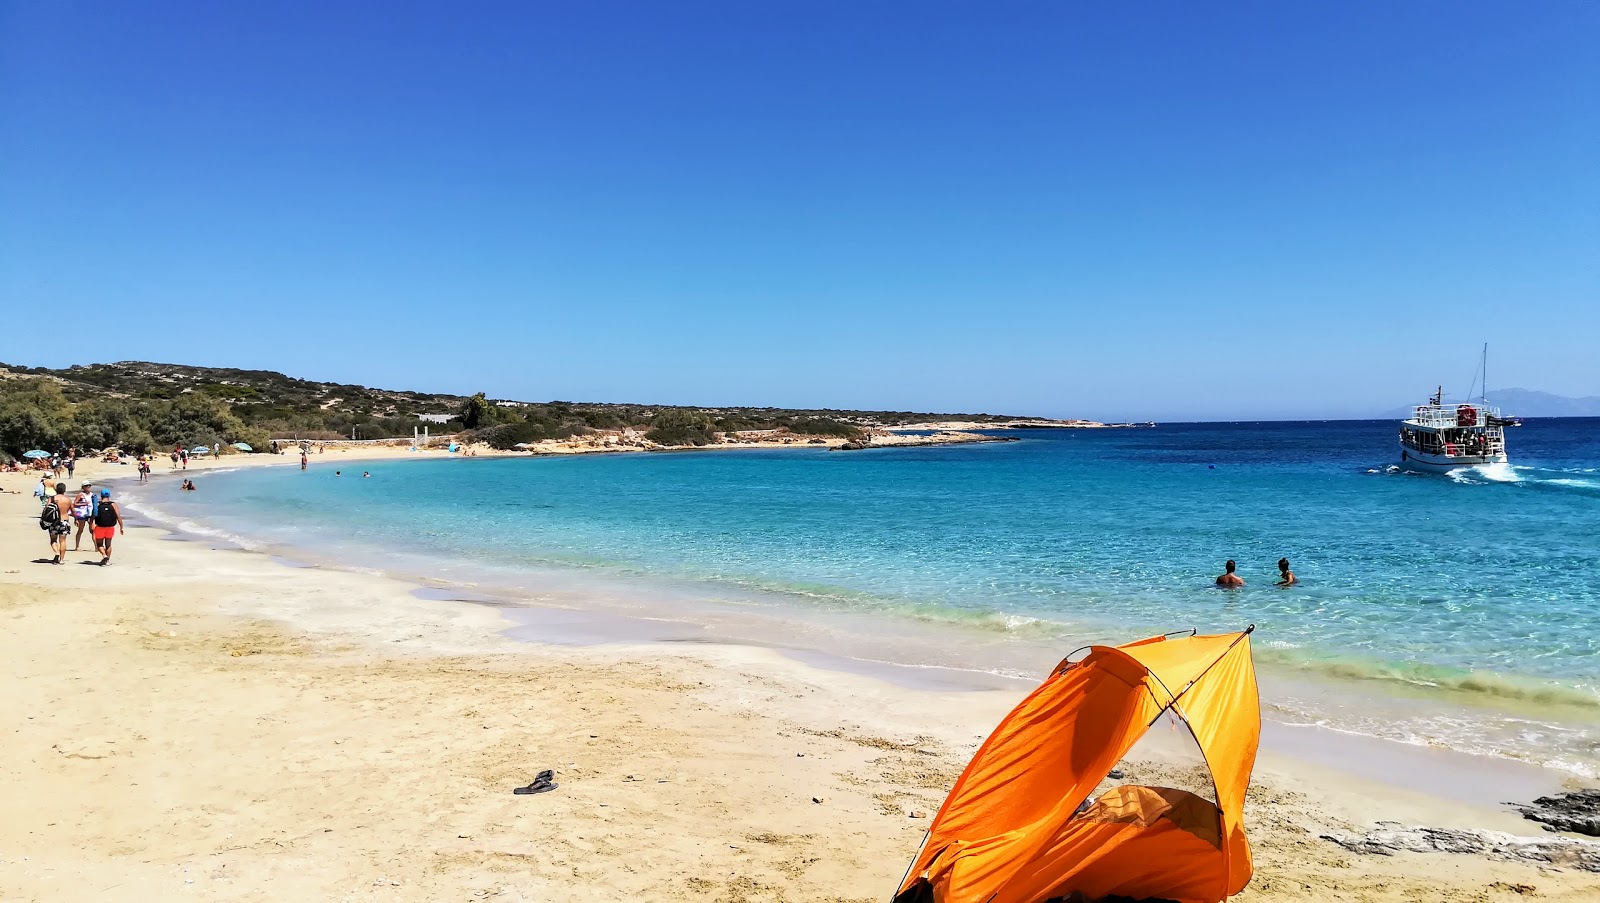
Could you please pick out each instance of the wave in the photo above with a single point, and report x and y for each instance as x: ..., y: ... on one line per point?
x: 137, y: 506
x: 1485, y: 686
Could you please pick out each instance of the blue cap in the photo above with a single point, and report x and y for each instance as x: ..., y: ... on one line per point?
x: 105, y: 493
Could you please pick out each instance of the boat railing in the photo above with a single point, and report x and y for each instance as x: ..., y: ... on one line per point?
x: 1480, y: 445
x: 1448, y: 416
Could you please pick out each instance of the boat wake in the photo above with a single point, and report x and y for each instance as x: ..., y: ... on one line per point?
x: 1487, y: 473
x: 1528, y: 477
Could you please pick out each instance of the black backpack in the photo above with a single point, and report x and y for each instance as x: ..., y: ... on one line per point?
x: 107, y: 515
x: 50, y: 516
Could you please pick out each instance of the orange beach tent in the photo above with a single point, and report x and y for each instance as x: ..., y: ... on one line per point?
x: 1018, y: 826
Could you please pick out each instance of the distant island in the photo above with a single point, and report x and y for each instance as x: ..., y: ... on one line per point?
x: 1530, y: 403
x: 139, y: 406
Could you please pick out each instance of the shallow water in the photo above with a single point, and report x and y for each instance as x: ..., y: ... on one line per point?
x: 1457, y: 610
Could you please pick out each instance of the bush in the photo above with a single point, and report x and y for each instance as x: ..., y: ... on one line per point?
x: 679, y: 426
x: 510, y: 435
x: 822, y: 426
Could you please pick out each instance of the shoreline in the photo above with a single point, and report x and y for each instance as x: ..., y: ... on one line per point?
x: 1357, y: 709
x: 258, y: 629
x: 612, y: 609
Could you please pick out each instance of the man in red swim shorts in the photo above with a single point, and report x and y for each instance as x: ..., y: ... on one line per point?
x: 107, y: 522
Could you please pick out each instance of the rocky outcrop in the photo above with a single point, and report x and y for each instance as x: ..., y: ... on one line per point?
x: 1578, y: 811
x: 1558, y: 851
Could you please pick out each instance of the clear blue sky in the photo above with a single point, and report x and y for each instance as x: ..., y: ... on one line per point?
x: 1122, y: 210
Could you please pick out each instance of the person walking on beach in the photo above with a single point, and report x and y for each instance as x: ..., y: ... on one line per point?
x: 1229, y: 578
x: 1285, y: 576
x: 303, y: 459
x: 72, y: 461
x: 82, y: 511
x: 55, y: 523
x: 107, y: 523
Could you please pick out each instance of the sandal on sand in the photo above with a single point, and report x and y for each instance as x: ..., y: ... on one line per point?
x: 541, y: 784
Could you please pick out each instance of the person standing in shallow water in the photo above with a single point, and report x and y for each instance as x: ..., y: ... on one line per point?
x: 1285, y: 576
x: 1229, y: 578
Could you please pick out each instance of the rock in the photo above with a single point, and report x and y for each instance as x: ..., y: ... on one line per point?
x: 1560, y: 851
x: 1578, y: 811
x: 816, y: 799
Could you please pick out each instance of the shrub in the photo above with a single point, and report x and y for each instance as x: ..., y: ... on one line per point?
x: 823, y: 426
x: 680, y: 426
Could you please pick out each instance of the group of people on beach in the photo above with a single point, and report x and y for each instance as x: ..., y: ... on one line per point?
x: 89, y: 510
x: 1230, y: 577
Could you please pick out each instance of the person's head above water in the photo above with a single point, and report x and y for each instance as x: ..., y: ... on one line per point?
x: 1230, y: 566
x: 1283, y: 564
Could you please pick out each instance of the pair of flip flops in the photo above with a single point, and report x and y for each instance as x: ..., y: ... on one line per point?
x: 541, y: 783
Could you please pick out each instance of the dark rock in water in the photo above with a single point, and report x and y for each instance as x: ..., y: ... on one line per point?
x: 854, y: 445
x: 1578, y: 811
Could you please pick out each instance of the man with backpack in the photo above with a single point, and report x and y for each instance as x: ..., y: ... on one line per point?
x: 107, y: 523
x: 53, y: 520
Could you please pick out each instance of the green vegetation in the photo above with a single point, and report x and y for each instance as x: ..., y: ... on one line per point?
x: 140, y: 406
x: 36, y: 413
x: 823, y: 426
x: 682, y: 426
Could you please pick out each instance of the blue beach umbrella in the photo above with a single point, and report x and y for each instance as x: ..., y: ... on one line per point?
x: 200, y: 450
x: 243, y: 446
x: 36, y: 453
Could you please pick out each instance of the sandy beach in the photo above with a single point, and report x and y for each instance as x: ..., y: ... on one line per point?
x: 204, y: 723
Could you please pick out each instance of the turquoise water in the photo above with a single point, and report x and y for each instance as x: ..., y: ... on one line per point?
x: 1475, y: 598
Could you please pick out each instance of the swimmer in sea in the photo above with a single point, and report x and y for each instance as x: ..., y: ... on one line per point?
x: 1229, y: 578
x: 1285, y: 576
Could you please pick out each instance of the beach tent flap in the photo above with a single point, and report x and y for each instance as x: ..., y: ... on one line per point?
x: 1019, y: 827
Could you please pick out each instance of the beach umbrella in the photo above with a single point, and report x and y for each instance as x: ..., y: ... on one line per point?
x: 36, y: 453
x: 200, y: 450
x: 243, y: 446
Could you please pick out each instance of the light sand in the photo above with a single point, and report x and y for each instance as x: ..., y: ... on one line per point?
x: 208, y: 724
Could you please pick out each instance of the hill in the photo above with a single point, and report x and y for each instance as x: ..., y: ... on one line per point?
x: 1530, y: 403
x: 138, y: 405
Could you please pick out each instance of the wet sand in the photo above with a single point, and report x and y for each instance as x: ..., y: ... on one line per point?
x: 216, y: 724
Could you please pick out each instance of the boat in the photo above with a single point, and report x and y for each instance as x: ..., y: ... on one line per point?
x: 1440, y: 437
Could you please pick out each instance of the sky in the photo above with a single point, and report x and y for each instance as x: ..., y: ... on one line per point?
x: 1145, y: 210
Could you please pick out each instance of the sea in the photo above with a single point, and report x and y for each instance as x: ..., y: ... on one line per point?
x: 1457, y: 611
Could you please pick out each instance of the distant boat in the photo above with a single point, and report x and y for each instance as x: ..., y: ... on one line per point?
x: 1439, y: 437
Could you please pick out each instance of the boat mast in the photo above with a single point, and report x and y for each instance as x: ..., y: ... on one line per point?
x: 1484, y: 389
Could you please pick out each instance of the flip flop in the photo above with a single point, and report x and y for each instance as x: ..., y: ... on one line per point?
x: 542, y: 785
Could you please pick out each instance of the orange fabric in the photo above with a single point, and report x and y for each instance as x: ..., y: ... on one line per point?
x: 1008, y: 832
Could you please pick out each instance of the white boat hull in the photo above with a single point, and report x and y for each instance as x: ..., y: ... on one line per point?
x: 1411, y: 459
